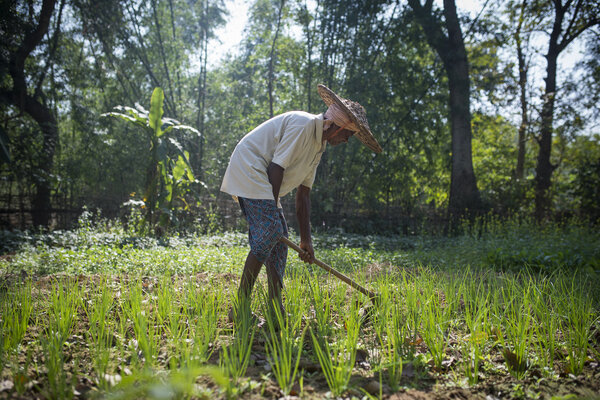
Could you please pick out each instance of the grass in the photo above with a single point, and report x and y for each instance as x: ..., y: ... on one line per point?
x: 235, y: 356
x: 337, y: 355
x: 284, y: 338
x: 147, y: 317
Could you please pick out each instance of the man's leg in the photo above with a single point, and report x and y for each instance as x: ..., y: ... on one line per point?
x: 275, y: 265
x: 264, y: 230
x: 274, y: 283
x: 251, y: 271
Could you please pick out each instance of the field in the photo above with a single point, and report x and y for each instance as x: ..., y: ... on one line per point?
x: 509, y: 311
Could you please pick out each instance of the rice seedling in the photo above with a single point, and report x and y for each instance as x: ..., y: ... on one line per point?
x: 15, y: 311
x: 435, y: 325
x: 147, y: 332
x: 282, y: 344
x: 101, y: 326
x: 202, y: 315
x: 476, y: 314
x: 321, y: 301
x: 235, y: 356
x: 517, y: 321
x: 544, y: 299
x: 576, y: 324
x: 391, y: 334
x: 413, y: 314
x: 172, y: 317
x: 338, y: 357
x: 295, y: 295
x: 168, y: 309
x: 395, y: 333
x: 64, y: 302
x: 178, y: 384
x: 147, y: 343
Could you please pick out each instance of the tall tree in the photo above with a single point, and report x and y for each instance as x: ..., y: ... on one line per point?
x: 272, y: 57
x: 520, y: 36
x: 31, y: 99
x: 571, y: 18
x: 464, y: 195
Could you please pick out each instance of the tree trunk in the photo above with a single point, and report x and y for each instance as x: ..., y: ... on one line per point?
x: 464, y: 195
x: 19, y: 97
x: 544, y: 167
x: 577, y: 23
x: 271, y: 59
x: 200, y: 117
x: 522, y: 141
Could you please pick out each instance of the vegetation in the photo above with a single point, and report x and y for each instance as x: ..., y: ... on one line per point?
x: 74, y: 61
x: 477, y: 225
x: 502, y: 306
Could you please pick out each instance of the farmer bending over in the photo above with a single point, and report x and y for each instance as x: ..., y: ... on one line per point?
x: 278, y: 156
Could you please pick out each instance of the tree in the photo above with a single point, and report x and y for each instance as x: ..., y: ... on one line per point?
x: 570, y: 20
x: 464, y: 195
x: 32, y: 100
x: 521, y: 34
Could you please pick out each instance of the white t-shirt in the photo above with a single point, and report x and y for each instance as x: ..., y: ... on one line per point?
x: 293, y: 140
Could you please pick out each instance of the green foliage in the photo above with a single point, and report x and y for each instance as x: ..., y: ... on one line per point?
x: 168, y: 179
x: 337, y: 355
x: 149, y: 320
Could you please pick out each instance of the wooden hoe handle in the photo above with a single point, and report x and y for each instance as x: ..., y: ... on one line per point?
x: 333, y: 271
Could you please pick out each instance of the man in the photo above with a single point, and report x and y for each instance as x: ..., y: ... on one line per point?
x: 278, y: 156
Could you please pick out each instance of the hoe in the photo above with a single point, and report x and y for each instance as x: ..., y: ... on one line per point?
x: 374, y: 297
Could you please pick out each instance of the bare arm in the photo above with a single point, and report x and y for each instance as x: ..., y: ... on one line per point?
x: 303, y: 215
x: 275, y: 174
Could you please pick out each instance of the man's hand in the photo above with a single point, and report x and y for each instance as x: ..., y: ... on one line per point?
x: 309, y: 253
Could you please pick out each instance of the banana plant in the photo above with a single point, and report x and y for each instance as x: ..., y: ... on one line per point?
x: 168, y: 178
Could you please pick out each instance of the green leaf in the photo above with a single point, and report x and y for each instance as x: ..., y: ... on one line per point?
x: 169, y: 189
x: 183, y: 128
x: 126, y: 117
x: 156, y: 111
x: 184, y: 154
x: 161, y: 151
x: 190, y: 174
x: 179, y: 169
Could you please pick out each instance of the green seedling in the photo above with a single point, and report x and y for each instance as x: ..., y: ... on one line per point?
x: 476, y: 314
x: 15, y: 311
x: 435, y: 328
x: 283, y: 340
x: 64, y: 302
x: 145, y: 328
x: 337, y: 358
x: 517, y: 321
x: 235, y: 356
x: 203, y: 317
x: 576, y: 325
x: 101, y: 326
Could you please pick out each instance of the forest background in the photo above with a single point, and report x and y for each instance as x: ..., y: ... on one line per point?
x: 456, y: 99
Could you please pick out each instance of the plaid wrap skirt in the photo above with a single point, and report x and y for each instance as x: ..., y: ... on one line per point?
x: 266, y: 225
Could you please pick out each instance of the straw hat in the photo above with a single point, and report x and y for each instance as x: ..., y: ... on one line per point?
x: 357, y: 114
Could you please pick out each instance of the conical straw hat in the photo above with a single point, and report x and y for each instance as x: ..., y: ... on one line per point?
x: 357, y: 114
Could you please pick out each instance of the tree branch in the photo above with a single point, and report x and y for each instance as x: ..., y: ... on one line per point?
x: 51, y: 51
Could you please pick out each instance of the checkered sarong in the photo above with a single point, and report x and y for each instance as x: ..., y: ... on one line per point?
x: 266, y: 225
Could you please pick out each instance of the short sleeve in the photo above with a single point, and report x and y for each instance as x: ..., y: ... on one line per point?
x: 310, y: 178
x: 287, y: 149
